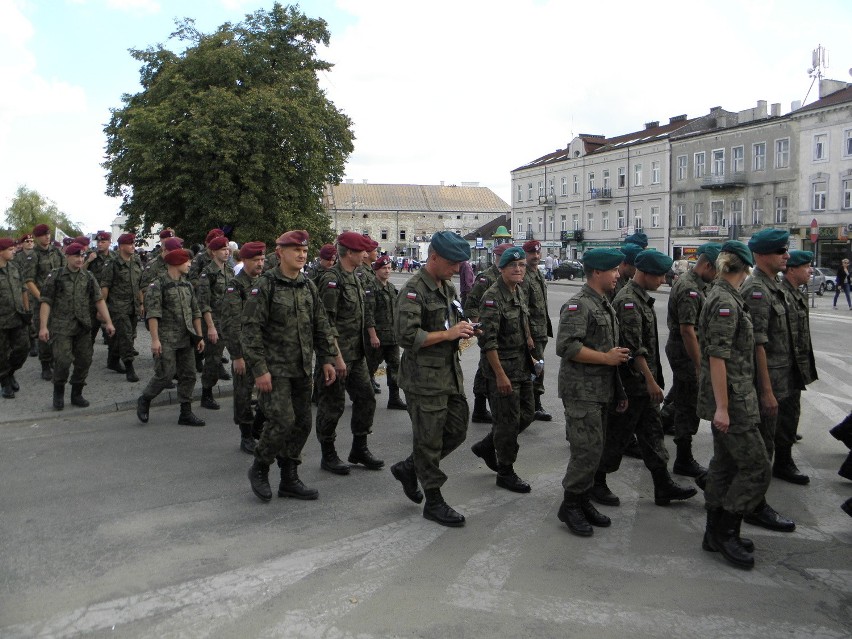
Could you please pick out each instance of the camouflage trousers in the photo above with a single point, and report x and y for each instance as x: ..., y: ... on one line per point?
x: 480, y: 386
x: 768, y: 426
x: 212, y: 358
x: 121, y: 343
x: 685, y: 399
x: 288, y: 419
x: 243, y: 390
x: 439, y: 426
x: 538, y: 383
x: 585, y: 430
x: 641, y: 418
x: 332, y: 401
x: 45, y: 350
x: 14, y: 347
x: 739, y: 473
x: 512, y: 414
x: 178, y: 360
x: 73, y: 349
x: 789, y: 410
x: 388, y: 353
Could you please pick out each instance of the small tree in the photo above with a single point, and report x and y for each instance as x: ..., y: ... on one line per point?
x: 30, y: 208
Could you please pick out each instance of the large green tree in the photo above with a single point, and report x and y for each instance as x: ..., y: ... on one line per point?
x: 29, y: 208
x: 232, y: 132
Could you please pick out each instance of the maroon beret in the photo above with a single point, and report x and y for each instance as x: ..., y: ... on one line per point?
x: 498, y: 250
x: 126, y: 238
x: 103, y: 235
x: 384, y: 260
x: 293, y: 238
x: 68, y: 241
x: 6, y: 243
x: 328, y: 251
x: 252, y: 249
x: 173, y: 243
x: 532, y: 246
x: 166, y: 233
x: 74, y: 249
x: 25, y: 237
x: 217, y: 243
x: 178, y: 257
x: 212, y: 234
x: 82, y: 240
x: 355, y: 241
x: 40, y: 229
x: 373, y: 244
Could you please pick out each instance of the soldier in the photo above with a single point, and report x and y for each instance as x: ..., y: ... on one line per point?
x: 684, y: 353
x: 65, y: 322
x: 174, y: 320
x: 384, y: 313
x: 739, y: 470
x: 643, y: 382
x: 343, y: 298
x: 589, y: 384
x: 44, y: 259
x: 26, y: 244
x: 212, y: 284
x: 776, y: 369
x: 284, y: 324
x: 120, y: 282
x: 627, y: 268
x: 95, y: 261
x: 14, y: 319
x: 327, y: 258
x: 200, y: 261
x: 236, y: 294
x: 156, y: 267
x: 364, y: 272
x: 797, y: 274
x: 535, y: 290
x: 429, y: 326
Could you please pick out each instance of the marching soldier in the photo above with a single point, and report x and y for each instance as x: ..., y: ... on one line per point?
x: 364, y: 272
x: 384, y: 314
x: 627, y: 268
x: 26, y: 246
x: 212, y: 284
x: 157, y: 266
x: 15, y: 319
x: 44, y: 259
x: 327, y: 258
x: 95, y: 262
x: 535, y: 290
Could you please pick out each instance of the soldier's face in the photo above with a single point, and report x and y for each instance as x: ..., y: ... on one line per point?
x: 293, y: 258
x: 533, y: 258
x: 513, y: 272
x: 43, y: 240
x: 126, y: 250
x: 609, y: 279
x: 383, y: 274
x: 443, y: 268
x: 75, y: 262
x: 254, y: 265
x: 7, y: 254
x: 798, y: 275
x: 183, y: 268
x: 103, y: 246
x: 221, y: 255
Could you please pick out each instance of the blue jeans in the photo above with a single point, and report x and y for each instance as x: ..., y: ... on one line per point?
x: 845, y: 290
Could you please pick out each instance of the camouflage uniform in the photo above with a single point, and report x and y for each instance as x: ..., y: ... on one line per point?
x: 154, y: 269
x: 39, y: 264
x: 123, y: 279
x: 483, y: 282
x: 96, y: 267
x: 20, y: 261
x: 739, y: 472
x: 384, y: 302
x: 211, y: 287
x: 535, y: 290
x: 199, y: 263
x: 14, y: 327
x: 431, y: 377
x: 620, y: 283
x: 236, y: 294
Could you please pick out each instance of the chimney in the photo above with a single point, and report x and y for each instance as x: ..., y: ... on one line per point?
x: 776, y: 109
x: 761, y: 110
x: 677, y: 118
x: 652, y: 125
x: 795, y: 105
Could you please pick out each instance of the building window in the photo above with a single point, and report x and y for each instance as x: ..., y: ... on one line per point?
x: 757, y: 211
x: 680, y: 222
x: 402, y: 234
x: 591, y: 181
x: 718, y: 162
x: 781, y: 210
x: 818, y: 199
x: 820, y: 147
x: 681, y: 167
x: 782, y: 153
x: 655, y: 217
x: 606, y: 179
x: 621, y: 221
x: 637, y: 175
x: 737, y: 212
x: 550, y: 224
x: 520, y: 193
x: 637, y: 220
x: 576, y: 184
x: 847, y: 142
x: 550, y: 187
x: 590, y: 221
x: 622, y: 178
x: 847, y: 194
x: 540, y: 225
x: 738, y: 159
x: 541, y: 188
x: 605, y: 221
x: 529, y: 226
x: 564, y: 186
x: 698, y: 214
x: 384, y: 234
x: 758, y: 152
x: 564, y: 224
x: 529, y: 191
x: 655, y: 172
x: 575, y: 222
x: 717, y: 213
x: 699, y: 164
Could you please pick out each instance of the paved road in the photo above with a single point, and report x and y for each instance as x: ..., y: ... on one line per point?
x: 110, y: 526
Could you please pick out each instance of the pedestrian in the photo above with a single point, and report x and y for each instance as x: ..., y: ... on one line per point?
x: 738, y: 474
x: 211, y: 287
x: 548, y: 267
x: 589, y: 384
x: 174, y: 320
x: 44, y: 259
x: 541, y: 328
x: 429, y: 326
x: 65, y: 322
x: 384, y: 314
x: 284, y: 326
x: 15, y: 319
x: 842, y: 282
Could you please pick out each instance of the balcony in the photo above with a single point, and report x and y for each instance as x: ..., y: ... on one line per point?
x: 604, y: 195
x: 727, y: 181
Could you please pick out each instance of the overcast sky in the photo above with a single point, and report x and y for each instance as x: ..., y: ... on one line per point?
x: 461, y: 91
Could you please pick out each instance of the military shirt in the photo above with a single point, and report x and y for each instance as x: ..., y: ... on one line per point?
x: 11, y: 301
x: 236, y: 294
x: 638, y: 332
x: 800, y: 329
x: 284, y: 323
x: 725, y: 331
x: 174, y: 305
x: 155, y: 268
x: 620, y: 283
x: 535, y: 290
x: 424, y: 306
x: 343, y: 298
x: 97, y: 265
x: 199, y: 263
x: 71, y: 296
x: 211, y: 287
x: 505, y: 321
x: 483, y: 282
x: 124, y: 281
x: 385, y: 300
x: 685, y: 301
x: 41, y: 262
x: 271, y: 261
x: 368, y: 283
x: 589, y: 320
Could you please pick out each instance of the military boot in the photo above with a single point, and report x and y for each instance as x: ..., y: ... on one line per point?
x: 77, y: 398
x: 665, y: 490
x: 685, y: 463
x: 484, y: 449
x: 330, y: 461
x: 847, y: 506
x: 114, y: 363
x: 785, y: 468
x: 247, y: 443
x: 207, y: 400
x: 394, y: 400
x: 376, y: 388
x: 131, y: 372
x: 481, y: 414
x: 541, y: 414
x: 8, y: 391
x: 143, y: 407
x: 767, y: 517
x: 223, y: 373
x: 291, y: 485
x: 724, y: 540
x: 46, y: 372
x: 592, y: 515
x: 843, y: 431
x: 507, y: 478
x: 258, y: 475
x: 360, y: 454
x: 846, y: 468
x: 406, y: 475
x: 14, y: 383
x: 707, y: 542
x: 187, y: 417
x: 571, y: 513
x: 601, y: 493
x: 58, y: 396
x: 436, y: 509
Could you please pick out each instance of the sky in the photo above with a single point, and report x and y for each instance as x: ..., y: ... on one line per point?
x: 453, y: 91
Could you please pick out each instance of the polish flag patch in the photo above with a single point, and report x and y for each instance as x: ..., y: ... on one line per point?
x: 482, y: 280
x: 331, y: 284
x: 490, y: 303
x: 693, y: 294
x: 230, y: 289
x: 411, y: 295
x: 756, y: 295
x: 255, y: 291
x: 629, y: 305
x: 573, y: 307
x: 724, y: 312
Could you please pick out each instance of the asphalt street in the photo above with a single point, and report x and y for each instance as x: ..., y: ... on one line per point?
x: 113, y: 528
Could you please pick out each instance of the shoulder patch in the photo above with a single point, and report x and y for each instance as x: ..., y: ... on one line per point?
x: 629, y: 305
x: 255, y: 291
x: 490, y: 303
x: 757, y: 295
x: 724, y: 312
x: 411, y: 295
x: 152, y: 285
x: 230, y: 289
x: 483, y: 280
x: 49, y: 275
x: 331, y: 284
x: 573, y: 307
x: 693, y: 294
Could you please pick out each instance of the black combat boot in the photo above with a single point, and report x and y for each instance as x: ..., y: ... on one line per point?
x: 46, y: 372
x: 481, y: 414
x: 724, y: 539
x: 114, y: 363
x: 484, y: 449
x: 187, y: 417
x: 360, y: 454
x: 247, y: 443
x: 258, y: 475
x: 846, y: 468
x: 712, y: 518
x: 592, y: 515
x: 143, y: 407
x: 541, y: 414
x: 291, y: 485
x: 436, y: 509
x: 507, y: 478
x: 14, y: 383
x: 601, y: 493
x: 847, y: 506
x: 394, y: 400
x: 665, y: 490
x: 785, y: 468
x: 131, y: 372
x: 330, y: 461
x: 571, y: 513
x: 207, y: 400
x: 8, y: 391
x: 58, y: 396
x: 406, y: 475
x: 767, y: 517
x: 223, y: 373
x: 843, y: 431
x: 77, y: 398
x: 685, y: 463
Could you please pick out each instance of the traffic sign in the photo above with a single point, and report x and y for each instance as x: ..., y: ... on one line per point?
x: 814, y: 231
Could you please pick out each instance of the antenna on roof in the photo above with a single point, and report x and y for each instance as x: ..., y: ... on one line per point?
x: 819, y: 62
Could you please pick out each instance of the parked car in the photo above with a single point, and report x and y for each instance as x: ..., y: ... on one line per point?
x: 822, y: 280
x: 568, y: 270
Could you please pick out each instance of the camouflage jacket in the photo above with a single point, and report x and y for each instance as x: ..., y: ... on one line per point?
x: 800, y: 329
x: 174, y: 305
x: 211, y: 287
x: 535, y: 289
x: 41, y: 262
x: 11, y: 298
x: 685, y: 301
x: 385, y: 301
x: 97, y: 265
x: 124, y: 281
x: 482, y: 283
x: 620, y: 283
x: 343, y: 298
x: 236, y: 294
x: 72, y: 296
x: 505, y: 326
x: 199, y: 263
x: 369, y: 284
x: 637, y: 323
x: 155, y: 268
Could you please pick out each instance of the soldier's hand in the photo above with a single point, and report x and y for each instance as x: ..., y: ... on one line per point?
x: 92, y: 256
x: 44, y: 335
x: 621, y: 406
x: 239, y: 366
x: 504, y: 386
x: 200, y: 346
x: 462, y: 330
x: 110, y: 329
x: 654, y: 391
x: 531, y: 344
x: 156, y: 348
x: 329, y: 375
x: 375, y: 342
x: 768, y: 404
x: 264, y: 383
x: 212, y: 335
x: 721, y: 420
x: 617, y: 356
x: 340, y: 367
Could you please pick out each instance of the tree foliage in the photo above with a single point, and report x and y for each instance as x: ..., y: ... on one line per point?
x: 30, y: 208
x: 232, y: 132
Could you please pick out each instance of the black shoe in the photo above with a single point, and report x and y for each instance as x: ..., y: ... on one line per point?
x: 258, y: 475
x: 360, y: 454
x: 46, y: 372
x: 224, y: 374
x: 188, y: 418
x: 330, y: 461
x: 843, y: 431
x: 77, y: 398
x: 685, y: 463
x: 766, y: 517
x: 58, y: 396
x: 592, y: 515
x: 724, y: 539
x: 14, y: 383
x: 788, y: 471
x: 207, y: 400
x: 666, y: 491
x: 601, y: 493
x: 707, y: 542
x: 224, y: 359
x: 437, y: 510
x: 8, y: 392
x: 116, y: 365
x: 395, y: 403
x: 291, y: 485
x: 405, y: 474
x: 143, y: 407
x: 247, y: 445
x: 542, y: 416
x: 846, y: 468
x: 130, y: 371
x: 632, y: 449
x: 484, y: 449
x: 507, y: 478
x: 482, y: 417
x: 571, y: 513
x: 847, y: 506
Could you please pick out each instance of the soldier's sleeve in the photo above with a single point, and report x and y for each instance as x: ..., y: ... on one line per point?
x: 630, y: 322
x: 329, y: 293
x: 370, y: 302
x: 474, y: 296
x: 688, y: 306
x: 93, y: 285
x: 489, y: 315
x: 254, y: 317
x: 407, y: 324
x: 193, y: 302
x: 722, y: 320
x: 29, y: 267
x: 154, y: 300
x: 107, y: 275
x: 232, y: 311
x: 573, y: 327
x: 202, y: 291
x: 323, y: 336
x: 760, y: 304
x: 48, y: 291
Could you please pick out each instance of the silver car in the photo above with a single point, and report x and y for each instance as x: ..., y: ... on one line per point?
x: 822, y: 280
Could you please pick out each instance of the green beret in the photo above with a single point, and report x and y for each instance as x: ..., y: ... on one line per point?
x: 629, y: 252
x: 637, y: 238
x: 769, y: 241
x: 450, y: 246
x: 653, y: 262
x: 512, y: 255
x: 740, y: 250
x: 799, y: 258
x: 603, y: 259
x: 711, y: 250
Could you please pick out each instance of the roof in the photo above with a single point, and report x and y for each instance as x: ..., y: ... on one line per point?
x: 415, y: 197
x: 832, y: 99
x: 487, y: 230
